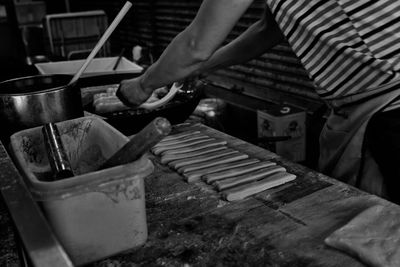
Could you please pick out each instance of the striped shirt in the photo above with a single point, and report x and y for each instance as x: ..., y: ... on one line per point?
x: 347, y: 46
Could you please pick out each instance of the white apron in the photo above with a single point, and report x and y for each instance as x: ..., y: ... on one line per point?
x: 342, y: 155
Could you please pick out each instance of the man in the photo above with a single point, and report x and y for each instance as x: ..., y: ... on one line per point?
x: 351, y: 50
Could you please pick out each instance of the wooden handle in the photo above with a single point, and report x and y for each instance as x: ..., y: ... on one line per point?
x: 102, y: 41
x: 56, y: 153
x: 140, y: 143
x: 121, y: 54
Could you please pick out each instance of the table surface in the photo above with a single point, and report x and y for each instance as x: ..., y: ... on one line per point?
x: 191, y: 224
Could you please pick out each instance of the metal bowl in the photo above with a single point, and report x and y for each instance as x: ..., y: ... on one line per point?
x: 35, y: 100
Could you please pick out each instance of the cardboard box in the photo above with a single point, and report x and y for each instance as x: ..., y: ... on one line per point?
x: 282, y: 130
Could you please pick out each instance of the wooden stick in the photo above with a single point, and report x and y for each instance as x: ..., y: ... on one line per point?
x: 140, y: 142
x: 102, y: 41
x: 121, y: 54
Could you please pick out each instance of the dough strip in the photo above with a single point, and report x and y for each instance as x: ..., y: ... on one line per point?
x: 210, y: 163
x: 194, y: 147
x: 159, y: 150
x: 168, y: 158
x: 178, y: 136
x: 184, y: 139
x: 210, y: 178
x: 197, y: 174
x: 248, y: 177
x: 213, y: 155
x: 241, y: 192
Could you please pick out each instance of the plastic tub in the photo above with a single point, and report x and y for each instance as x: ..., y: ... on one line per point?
x: 94, y: 214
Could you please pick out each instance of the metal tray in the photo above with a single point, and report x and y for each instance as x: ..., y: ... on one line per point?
x: 132, y: 120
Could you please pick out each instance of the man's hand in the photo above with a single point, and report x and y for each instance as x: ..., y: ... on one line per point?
x: 131, y: 92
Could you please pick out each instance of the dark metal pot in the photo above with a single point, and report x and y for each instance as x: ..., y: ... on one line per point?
x: 33, y: 101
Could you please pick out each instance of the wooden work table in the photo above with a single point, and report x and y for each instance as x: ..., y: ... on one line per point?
x: 191, y: 224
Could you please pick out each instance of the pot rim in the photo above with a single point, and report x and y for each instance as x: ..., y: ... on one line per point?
x: 9, y: 81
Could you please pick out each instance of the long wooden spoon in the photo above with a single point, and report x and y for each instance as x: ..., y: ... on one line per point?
x: 102, y: 41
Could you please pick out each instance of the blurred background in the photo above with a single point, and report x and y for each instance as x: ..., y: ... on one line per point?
x: 33, y: 32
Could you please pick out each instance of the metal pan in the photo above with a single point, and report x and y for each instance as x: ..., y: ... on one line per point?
x: 133, y: 120
x: 35, y: 100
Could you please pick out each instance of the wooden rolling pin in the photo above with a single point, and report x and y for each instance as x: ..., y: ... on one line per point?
x: 140, y: 143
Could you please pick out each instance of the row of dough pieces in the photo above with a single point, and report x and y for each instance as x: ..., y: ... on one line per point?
x: 197, y: 156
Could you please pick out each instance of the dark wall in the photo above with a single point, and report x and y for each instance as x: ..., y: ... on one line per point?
x: 12, y: 53
x: 55, y: 6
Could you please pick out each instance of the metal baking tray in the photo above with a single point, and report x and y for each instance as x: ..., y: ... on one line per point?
x: 132, y: 120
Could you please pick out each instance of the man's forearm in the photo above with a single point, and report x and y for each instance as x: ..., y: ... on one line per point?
x: 257, y: 40
x: 194, y: 51
x: 196, y: 44
x: 177, y: 62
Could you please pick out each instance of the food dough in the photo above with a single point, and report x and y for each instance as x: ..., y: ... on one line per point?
x: 177, y: 136
x: 108, y: 101
x: 210, y: 178
x: 161, y: 149
x: 210, y: 163
x: 248, y: 177
x: 197, y: 174
x: 183, y: 139
x: 243, y: 191
x: 165, y: 159
x: 195, y: 147
x: 209, y: 156
x: 373, y: 236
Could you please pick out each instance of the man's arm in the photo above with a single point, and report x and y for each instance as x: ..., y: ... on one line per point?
x: 255, y: 41
x: 194, y: 50
x: 195, y: 45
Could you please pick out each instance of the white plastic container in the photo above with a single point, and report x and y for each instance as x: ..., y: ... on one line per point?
x: 98, y: 66
x: 94, y: 214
